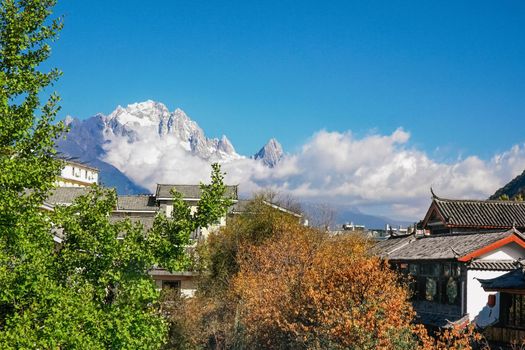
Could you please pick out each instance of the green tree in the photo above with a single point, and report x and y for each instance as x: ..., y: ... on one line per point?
x: 92, y: 291
x: 109, y: 262
x: 28, y: 169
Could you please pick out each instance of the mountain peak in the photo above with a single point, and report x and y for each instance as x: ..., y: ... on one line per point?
x: 148, y: 113
x: 225, y: 145
x: 68, y: 120
x: 271, y: 153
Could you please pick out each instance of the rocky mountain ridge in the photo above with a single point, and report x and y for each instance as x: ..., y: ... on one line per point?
x: 271, y: 153
x: 89, y: 140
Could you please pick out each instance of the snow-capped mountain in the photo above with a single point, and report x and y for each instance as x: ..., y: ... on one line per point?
x: 134, y: 122
x: 271, y: 153
x: 147, y: 123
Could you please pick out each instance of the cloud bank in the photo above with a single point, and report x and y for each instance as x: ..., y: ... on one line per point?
x: 380, y: 174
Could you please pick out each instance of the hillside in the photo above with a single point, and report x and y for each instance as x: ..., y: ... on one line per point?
x: 512, y: 189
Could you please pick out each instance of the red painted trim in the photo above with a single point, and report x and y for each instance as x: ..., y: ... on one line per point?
x: 491, y: 247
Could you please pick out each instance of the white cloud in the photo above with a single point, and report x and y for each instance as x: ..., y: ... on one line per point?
x: 381, y: 174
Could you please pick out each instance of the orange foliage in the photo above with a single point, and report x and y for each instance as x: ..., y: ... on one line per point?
x: 270, y: 283
x: 455, y: 338
x: 314, y: 291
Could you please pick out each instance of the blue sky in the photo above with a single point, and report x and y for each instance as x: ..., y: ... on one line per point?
x: 452, y: 73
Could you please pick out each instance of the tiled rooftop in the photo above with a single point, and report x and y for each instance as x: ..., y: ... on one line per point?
x: 490, y: 214
x: 189, y: 191
x: 439, y: 246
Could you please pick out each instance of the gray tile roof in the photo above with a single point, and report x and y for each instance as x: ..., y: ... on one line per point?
x: 388, y: 246
x: 189, y: 191
x: 513, y: 280
x: 137, y: 203
x: 65, y: 195
x: 439, y: 246
x: 441, y: 321
x: 146, y: 221
x: 492, y: 265
x: 473, y: 213
x: 157, y: 271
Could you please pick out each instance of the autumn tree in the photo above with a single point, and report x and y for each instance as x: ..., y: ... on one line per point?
x: 219, y: 254
x: 208, y: 319
x: 311, y: 291
x: 270, y: 283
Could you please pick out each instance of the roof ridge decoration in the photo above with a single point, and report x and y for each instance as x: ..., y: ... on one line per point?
x: 434, y: 196
x: 456, y: 254
x: 492, y: 201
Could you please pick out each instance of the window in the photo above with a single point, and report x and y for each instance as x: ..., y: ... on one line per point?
x: 171, y: 284
x: 435, y: 281
x: 197, y: 234
x: 512, y: 312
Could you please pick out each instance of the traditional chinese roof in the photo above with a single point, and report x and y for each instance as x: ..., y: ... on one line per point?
x: 146, y: 221
x: 65, y: 195
x: 492, y: 265
x: 189, y: 191
x: 477, y: 213
x: 157, y: 271
x: 511, y: 281
x: 387, y: 247
x: 137, y: 203
x: 461, y: 247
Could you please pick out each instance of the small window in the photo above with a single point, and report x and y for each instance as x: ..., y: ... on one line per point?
x: 430, y: 269
x: 438, y: 282
x: 171, y: 284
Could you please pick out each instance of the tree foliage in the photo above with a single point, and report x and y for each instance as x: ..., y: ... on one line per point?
x: 208, y: 319
x: 170, y: 236
x: 272, y: 283
x: 29, y: 295
x: 92, y: 291
x: 311, y: 291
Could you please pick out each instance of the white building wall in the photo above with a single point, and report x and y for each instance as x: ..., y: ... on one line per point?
x: 511, y: 251
x: 77, y: 173
x: 477, y: 298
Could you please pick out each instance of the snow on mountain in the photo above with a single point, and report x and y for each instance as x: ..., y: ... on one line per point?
x: 116, y: 139
x: 137, y: 120
x: 270, y: 154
